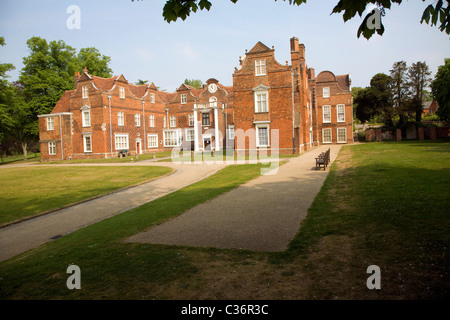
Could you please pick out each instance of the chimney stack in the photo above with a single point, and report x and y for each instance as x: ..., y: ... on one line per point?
x: 76, y: 77
x: 294, y: 44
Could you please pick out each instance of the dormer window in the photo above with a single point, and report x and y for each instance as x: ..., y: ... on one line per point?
x: 183, y: 98
x: 122, y: 92
x: 326, y: 92
x: 152, y: 97
x: 85, y: 92
x: 260, y: 67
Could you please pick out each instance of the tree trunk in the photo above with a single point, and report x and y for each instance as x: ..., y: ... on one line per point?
x: 24, y: 149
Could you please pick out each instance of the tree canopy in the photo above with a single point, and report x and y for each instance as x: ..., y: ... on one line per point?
x: 397, y: 97
x: 47, y: 73
x: 436, y: 14
x: 195, y: 83
x: 440, y: 88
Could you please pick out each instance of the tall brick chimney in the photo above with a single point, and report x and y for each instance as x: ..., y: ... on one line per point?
x: 312, y: 73
x: 294, y: 45
x: 76, y: 77
x: 297, y: 55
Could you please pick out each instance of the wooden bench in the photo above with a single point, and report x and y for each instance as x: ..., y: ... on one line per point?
x: 323, y: 160
x: 123, y: 153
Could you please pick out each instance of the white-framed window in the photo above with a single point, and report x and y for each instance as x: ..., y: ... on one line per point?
x: 52, y: 148
x: 260, y: 67
x: 189, y: 134
x: 183, y: 98
x: 340, y: 113
x: 152, y: 120
x: 205, y: 119
x: 191, y: 120
x: 212, y: 102
x: 86, y: 114
x: 85, y: 92
x: 342, y: 135
x: 326, y: 92
x: 261, y: 101
x: 326, y: 114
x: 172, y: 138
x: 120, y: 118
x: 173, y: 121
x: 121, y: 141
x: 231, y: 132
x: 262, y: 135
x: 152, y: 140
x: 122, y: 92
x: 137, y: 119
x: 152, y: 97
x: 164, y: 122
x: 87, y: 141
x: 326, y: 135
x: 50, y: 124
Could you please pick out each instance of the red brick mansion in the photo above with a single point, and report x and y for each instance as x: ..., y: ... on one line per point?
x: 270, y: 107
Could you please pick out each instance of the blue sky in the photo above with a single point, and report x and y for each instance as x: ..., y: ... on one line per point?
x: 208, y: 43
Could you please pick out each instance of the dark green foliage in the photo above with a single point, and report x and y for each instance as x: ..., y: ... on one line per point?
x: 174, y: 9
x: 441, y: 90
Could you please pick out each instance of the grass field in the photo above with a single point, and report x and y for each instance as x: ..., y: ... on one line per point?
x: 383, y: 204
x: 28, y: 191
x: 32, y: 157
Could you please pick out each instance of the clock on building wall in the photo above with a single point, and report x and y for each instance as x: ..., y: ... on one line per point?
x: 212, y: 88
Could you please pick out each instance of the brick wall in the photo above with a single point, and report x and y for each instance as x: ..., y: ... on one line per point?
x: 293, y: 97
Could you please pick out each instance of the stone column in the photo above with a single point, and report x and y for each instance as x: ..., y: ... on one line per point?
x: 195, y: 129
x: 216, y: 129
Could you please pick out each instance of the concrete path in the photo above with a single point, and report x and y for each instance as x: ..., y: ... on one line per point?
x: 29, y: 234
x: 262, y: 215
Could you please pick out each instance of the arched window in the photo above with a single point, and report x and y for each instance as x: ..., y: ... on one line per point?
x: 213, y: 102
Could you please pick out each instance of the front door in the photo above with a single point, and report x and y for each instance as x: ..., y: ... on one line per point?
x: 207, y: 144
x: 138, y: 147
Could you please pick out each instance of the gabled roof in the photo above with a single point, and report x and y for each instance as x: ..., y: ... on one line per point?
x: 259, y: 47
x: 104, y: 84
x: 228, y: 89
x: 344, y: 82
x: 121, y: 78
x: 84, y: 77
x: 185, y: 87
x: 138, y: 91
x: 63, y: 104
x: 166, y: 96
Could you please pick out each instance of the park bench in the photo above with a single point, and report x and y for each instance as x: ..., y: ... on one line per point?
x: 123, y: 153
x: 323, y: 159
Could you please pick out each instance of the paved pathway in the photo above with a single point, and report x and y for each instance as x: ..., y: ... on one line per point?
x: 262, y: 215
x: 29, y: 234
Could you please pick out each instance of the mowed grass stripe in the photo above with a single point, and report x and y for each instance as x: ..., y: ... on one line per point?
x: 112, y: 268
x: 29, y: 191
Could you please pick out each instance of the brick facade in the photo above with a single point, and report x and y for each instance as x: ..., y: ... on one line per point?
x: 271, y: 107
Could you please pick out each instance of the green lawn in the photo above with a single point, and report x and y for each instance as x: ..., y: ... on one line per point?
x: 383, y: 204
x: 19, y: 158
x: 134, y: 158
x: 29, y: 191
